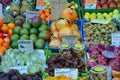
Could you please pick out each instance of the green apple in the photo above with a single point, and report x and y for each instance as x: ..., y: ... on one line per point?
x: 115, y: 16
x: 87, y: 13
x: 105, y: 14
x: 86, y: 17
x: 116, y: 11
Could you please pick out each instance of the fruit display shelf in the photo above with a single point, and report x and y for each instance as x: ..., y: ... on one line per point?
x: 78, y: 22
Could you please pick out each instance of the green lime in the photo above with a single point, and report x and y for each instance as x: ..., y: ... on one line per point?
x: 17, y: 29
x: 33, y: 37
x: 40, y: 44
x: 14, y: 44
x: 26, y: 25
x: 24, y: 37
x: 33, y: 31
x: 24, y: 31
x: 14, y: 37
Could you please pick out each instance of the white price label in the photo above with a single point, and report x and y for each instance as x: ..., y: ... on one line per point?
x: 25, y: 45
x: 90, y: 6
x: 21, y: 69
x: 71, y: 40
x: 116, y: 39
x: 100, y: 21
x: 1, y: 10
x: 69, y: 72
x: 31, y: 14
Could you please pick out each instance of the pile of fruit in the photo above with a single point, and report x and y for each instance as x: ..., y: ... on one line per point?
x: 6, y: 31
x: 45, y: 14
x: 64, y: 61
x: 102, y: 16
x: 106, y: 4
x: 15, y: 75
x: 64, y: 26
x: 97, y: 56
x: 15, y: 57
x: 36, y: 31
x: 99, y: 33
x: 17, y: 12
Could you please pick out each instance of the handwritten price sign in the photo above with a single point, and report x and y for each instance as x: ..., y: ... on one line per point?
x: 116, y: 39
x: 90, y: 4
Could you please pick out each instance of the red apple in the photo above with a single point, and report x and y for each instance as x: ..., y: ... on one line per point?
x: 98, y: 6
x: 118, y: 4
x: 105, y: 5
x: 103, y: 1
x: 112, y: 5
x: 110, y: 1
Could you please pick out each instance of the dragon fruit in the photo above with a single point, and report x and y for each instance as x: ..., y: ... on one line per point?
x: 97, y: 58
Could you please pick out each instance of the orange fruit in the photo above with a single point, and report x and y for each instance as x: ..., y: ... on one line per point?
x: 3, y: 48
x: 2, y: 51
x: 1, y: 22
x: 43, y: 16
x: 10, y: 32
x: 1, y: 40
x: 7, y: 40
x: 11, y: 25
x: 6, y: 45
x: 47, y: 14
x: 47, y: 11
x: 5, y: 28
x: 41, y: 12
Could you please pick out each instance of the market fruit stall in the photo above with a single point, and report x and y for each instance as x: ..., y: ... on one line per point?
x: 59, y: 40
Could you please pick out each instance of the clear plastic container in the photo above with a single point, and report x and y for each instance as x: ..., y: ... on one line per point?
x: 65, y: 49
x: 78, y: 49
x: 99, y: 73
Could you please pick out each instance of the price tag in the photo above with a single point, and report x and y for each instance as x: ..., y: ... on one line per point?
x: 69, y: 72
x: 100, y: 21
x: 39, y: 5
x: 71, y: 40
x: 21, y: 69
x: 1, y: 10
x: 56, y: 8
x: 25, y: 45
x: 116, y: 39
x: 90, y: 4
x: 31, y: 14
